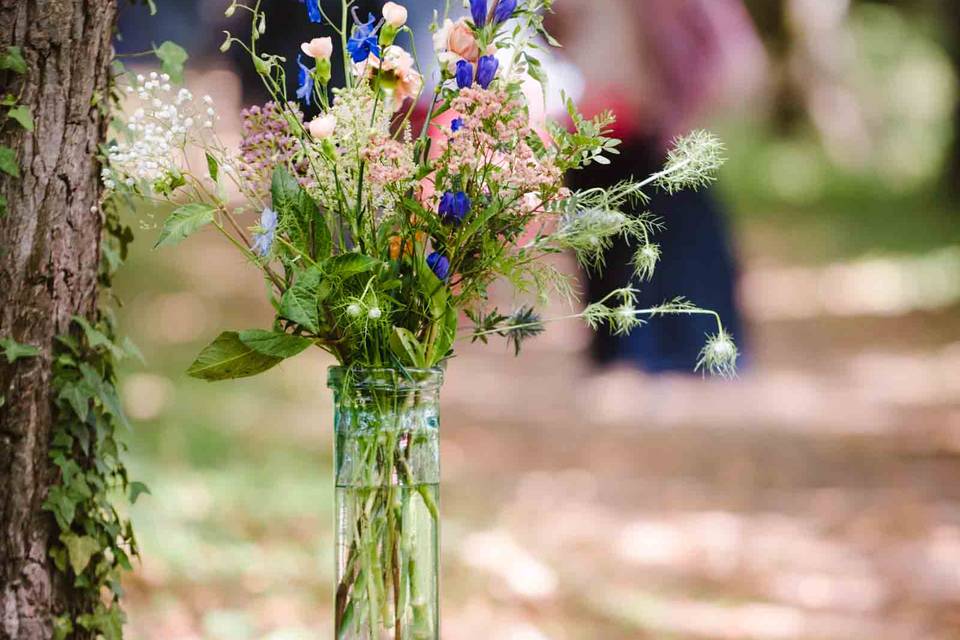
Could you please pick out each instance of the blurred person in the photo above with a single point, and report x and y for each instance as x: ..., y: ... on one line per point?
x: 660, y: 65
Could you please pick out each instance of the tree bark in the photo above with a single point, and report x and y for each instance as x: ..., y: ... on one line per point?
x: 49, y: 256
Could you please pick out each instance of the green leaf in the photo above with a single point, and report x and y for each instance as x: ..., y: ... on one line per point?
x: 172, y: 57
x: 13, y: 350
x: 227, y: 358
x: 213, y: 167
x: 184, y: 221
x: 78, y: 396
x: 272, y: 343
x: 81, y: 549
x: 12, y: 60
x: 284, y: 188
x: 96, y: 338
x: 8, y: 161
x: 299, y: 302
x: 23, y: 115
x: 446, y: 335
x: 137, y: 488
x: 105, y: 392
x: 406, y: 347
x: 348, y: 265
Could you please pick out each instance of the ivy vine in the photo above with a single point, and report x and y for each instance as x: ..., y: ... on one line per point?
x: 96, y: 541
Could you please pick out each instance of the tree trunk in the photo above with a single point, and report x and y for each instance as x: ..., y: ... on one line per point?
x: 49, y: 256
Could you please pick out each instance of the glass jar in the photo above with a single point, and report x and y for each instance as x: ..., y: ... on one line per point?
x: 387, y: 464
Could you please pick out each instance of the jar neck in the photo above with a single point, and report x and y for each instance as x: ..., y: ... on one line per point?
x: 385, y: 381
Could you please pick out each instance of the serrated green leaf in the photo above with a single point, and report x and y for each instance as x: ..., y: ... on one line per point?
x: 13, y: 350
x: 23, y: 115
x: 172, y: 58
x: 227, y: 358
x: 284, y: 189
x: 12, y: 60
x: 80, y: 550
x: 8, y: 162
x: 183, y: 222
x: 299, y: 302
x: 272, y: 343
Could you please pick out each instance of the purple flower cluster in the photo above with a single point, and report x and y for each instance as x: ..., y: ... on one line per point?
x: 268, y: 142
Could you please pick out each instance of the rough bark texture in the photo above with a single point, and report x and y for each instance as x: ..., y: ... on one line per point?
x: 49, y: 253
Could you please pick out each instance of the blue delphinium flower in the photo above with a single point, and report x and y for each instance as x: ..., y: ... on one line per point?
x: 487, y: 70
x: 456, y: 125
x: 464, y: 74
x: 439, y: 264
x: 504, y: 10
x: 304, y: 81
x: 478, y: 9
x: 363, y: 42
x: 313, y: 10
x: 263, y: 240
x: 454, y: 207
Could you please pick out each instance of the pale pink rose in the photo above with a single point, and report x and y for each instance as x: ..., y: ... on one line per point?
x: 395, y: 14
x: 319, y: 48
x: 397, y: 73
x: 457, y: 38
x: 530, y: 202
x: 322, y: 127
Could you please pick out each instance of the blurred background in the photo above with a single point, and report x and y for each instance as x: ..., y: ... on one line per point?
x: 815, y: 497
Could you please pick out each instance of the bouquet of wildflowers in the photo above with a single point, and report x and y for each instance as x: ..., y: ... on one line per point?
x: 379, y: 241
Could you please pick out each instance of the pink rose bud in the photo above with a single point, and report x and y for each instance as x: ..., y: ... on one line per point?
x: 395, y: 14
x: 462, y: 42
x: 322, y: 127
x: 319, y: 48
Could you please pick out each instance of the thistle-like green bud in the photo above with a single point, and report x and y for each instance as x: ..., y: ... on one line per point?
x: 719, y: 355
x: 692, y: 163
x: 226, y: 43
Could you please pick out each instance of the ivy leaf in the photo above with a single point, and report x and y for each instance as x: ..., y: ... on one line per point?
x: 227, y: 358
x: 81, y: 549
x: 8, y: 161
x: 96, y: 338
x: 184, y: 221
x: 77, y: 395
x: 12, y: 59
x: 299, y: 302
x: 105, y: 392
x: 272, y: 343
x: 23, y: 115
x: 13, y: 350
x: 137, y: 488
x: 172, y: 57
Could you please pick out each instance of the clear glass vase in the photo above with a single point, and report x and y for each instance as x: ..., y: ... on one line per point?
x: 387, y: 457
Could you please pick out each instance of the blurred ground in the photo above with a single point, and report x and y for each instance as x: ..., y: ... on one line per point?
x: 817, y: 497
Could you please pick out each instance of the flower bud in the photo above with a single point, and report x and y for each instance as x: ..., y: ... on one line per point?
x: 395, y: 14
x: 230, y: 10
x: 226, y: 43
x: 318, y: 48
x: 322, y: 127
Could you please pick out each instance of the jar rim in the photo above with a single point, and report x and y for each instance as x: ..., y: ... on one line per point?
x: 385, y: 377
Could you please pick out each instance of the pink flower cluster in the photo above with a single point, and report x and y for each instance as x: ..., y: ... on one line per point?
x: 492, y: 141
x: 389, y: 161
x: 268, y: 142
